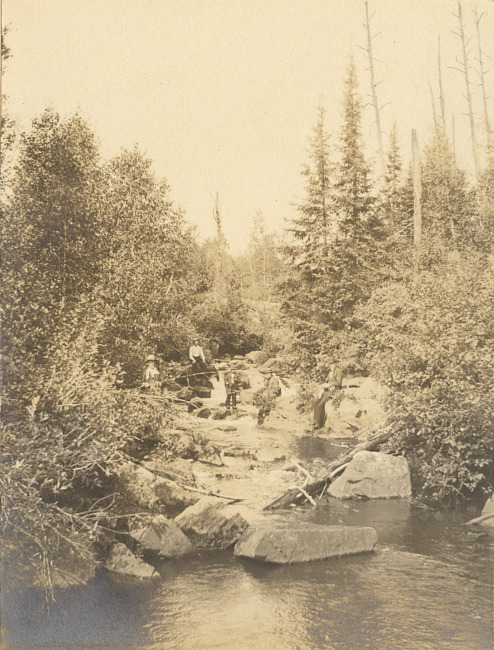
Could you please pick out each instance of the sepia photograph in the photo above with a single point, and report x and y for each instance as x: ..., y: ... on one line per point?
x: 247, y: 325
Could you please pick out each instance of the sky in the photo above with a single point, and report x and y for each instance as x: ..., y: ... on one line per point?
x: 222, y: 95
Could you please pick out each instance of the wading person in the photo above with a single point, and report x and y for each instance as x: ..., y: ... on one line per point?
x: 232, y: 387
x: 320, y: 407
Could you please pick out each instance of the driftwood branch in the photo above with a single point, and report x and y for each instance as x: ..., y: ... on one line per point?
x: 297, y: 496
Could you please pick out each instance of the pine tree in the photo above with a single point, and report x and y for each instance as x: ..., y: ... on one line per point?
x: 353, y: 176
x: 311, y: 229
x: 447, y: 208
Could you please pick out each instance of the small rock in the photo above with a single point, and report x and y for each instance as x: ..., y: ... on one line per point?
x: 202, y: 391
x: 209, y: 524
x: 164, y: 537
x: 227, y: 427
x: 203, y: 413
x: 122, y: 560
x: 186, y: 394
x: 220, y: 414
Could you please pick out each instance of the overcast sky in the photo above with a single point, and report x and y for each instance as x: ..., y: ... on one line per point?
x: 222, y: 95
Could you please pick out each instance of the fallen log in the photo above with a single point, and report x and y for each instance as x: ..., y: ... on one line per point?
x: 294, y: 496
x: 479, y: 520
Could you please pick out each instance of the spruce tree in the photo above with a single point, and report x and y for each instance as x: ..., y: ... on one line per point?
x: 311, y: 228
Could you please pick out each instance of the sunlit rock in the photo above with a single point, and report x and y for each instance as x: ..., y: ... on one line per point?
x: 373, y: 475
x: 122, y: 560
x: 163, y: 537
x: 304, y: 542
x: 209, y: 524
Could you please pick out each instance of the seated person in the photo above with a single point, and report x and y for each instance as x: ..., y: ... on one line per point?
x: 196, y: 355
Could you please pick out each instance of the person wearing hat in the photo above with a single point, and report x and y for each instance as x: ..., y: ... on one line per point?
x: 232, y: 387
x: 335, y: 377
x: 320, y: 406
x: 196, y: 355
x: 151, y: 374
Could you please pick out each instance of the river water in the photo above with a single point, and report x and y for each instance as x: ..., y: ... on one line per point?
x: 428, y: 585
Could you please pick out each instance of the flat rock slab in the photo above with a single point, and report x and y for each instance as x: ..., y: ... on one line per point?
x: 304, y: 543
x: 373, y: 475
x: 164, y: 537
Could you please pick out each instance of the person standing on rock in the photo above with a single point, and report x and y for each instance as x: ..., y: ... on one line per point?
x: 320, y: 407
x: 151, y: 376
x: 335, y: 377
x: 232, y: 386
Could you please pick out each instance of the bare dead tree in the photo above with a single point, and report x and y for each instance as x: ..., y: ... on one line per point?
x: 417, y: 190
x: 482, y: 72
x: 464, y: 69
x: 434, y: 116
x: 374, y: 84
x: 441, y: 91
x: 220, y: 243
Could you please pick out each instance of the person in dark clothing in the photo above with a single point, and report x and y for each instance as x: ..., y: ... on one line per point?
x: 232, y: 387
x: 320, y: 407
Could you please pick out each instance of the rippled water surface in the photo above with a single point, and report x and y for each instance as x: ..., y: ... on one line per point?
x: 428, y: 585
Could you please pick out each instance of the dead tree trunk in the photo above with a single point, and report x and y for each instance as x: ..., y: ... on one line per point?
x: 297, y: 496
x: 482, y: 73
x: 441, y: 91
x: 375, y: 103
x: 417, y: 191
x: 465, y: 71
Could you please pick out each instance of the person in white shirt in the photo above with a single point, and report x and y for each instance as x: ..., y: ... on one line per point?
x: 196, y: 355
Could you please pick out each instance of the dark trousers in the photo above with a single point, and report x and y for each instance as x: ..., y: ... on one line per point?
x: 231, y: 397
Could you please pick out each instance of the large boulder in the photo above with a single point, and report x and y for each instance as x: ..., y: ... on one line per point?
x: 137, y: 487
x: 163, y: 537
x: 174, y: 469
x: 122, y: 560
x: 271, y: 364
x: 209, y: 524
x: 355, y: 408
x: 255, y: 356
x: 203, y: 392
x: 373, y: 475
x: 304, y: 542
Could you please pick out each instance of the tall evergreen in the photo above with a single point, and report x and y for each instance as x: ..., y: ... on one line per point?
x: 311, y: 229
x: 353, y: 186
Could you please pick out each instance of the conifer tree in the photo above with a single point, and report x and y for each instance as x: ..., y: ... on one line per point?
x: 446, y: 204
x: 353, y: 176
x: 311, y: 228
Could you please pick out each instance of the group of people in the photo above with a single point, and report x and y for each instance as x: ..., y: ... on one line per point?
x: 265, y: 397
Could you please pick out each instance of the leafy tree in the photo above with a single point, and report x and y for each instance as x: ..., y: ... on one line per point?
x: 50, y: 233
x: 153, y: 268
x: 430, y: 340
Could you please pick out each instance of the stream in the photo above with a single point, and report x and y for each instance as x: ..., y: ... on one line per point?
x: 428, y: 585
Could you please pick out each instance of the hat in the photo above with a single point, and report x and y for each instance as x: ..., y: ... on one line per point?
x: 150, y: 357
